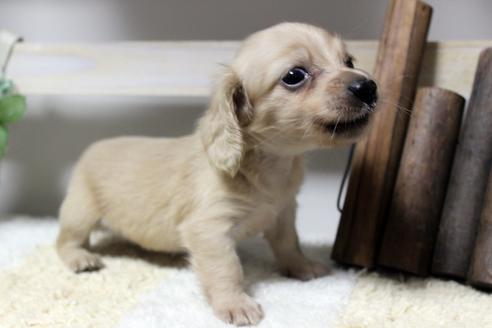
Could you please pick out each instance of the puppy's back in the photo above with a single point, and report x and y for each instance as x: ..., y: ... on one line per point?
x: 131, y: 176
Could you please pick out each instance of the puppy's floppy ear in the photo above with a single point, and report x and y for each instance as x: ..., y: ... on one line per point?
x: 221, y: 128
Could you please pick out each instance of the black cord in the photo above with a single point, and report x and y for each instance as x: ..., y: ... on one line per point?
x: 344, y: 178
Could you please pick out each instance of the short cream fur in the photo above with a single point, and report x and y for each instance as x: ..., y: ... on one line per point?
x: 236, y: 176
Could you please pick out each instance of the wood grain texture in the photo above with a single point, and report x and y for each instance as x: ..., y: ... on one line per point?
x: 376, y: 159
x: 422, y: 180
x: 186, y: 69
x: 468, y: 180
x: 480, y: 272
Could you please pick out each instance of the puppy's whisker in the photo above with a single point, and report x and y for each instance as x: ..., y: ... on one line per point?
x: 261, y: 141
x: 307, y: 129
x: 398, y: 107
x: 336, y: 125
x: 277, y: 132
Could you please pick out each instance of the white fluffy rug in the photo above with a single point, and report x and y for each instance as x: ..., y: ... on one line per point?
x: 142, y: 289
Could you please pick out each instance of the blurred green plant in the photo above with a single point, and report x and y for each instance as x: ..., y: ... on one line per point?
x: 12, y: 108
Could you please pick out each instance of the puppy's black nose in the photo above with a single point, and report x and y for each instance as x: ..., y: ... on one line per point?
x: 364, y: 90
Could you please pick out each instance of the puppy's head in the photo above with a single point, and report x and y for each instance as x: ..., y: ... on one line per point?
x: 291, y: 88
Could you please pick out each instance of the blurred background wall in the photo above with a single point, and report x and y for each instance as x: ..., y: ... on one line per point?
x: 108, y: 20
x: 46, y: 143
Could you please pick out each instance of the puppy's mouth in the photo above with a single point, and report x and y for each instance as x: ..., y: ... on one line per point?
x: 345, y: 126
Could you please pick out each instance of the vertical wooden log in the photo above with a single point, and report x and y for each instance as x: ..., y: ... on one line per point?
x: 480, y: 273
x: 376, y: 159
x: 422, y: 180
x: 468, y: 180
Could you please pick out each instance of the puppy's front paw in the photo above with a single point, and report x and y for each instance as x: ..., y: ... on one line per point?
x: 239, y: 310
x: 80, y: 260
x: 306, y: 270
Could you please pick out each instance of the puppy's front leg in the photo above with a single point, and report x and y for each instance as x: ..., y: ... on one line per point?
x: 215, y: 261
x: 284, y: 242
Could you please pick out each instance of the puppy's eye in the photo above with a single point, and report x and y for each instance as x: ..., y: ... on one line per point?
x: 349, y: 62
x: 295, y: 77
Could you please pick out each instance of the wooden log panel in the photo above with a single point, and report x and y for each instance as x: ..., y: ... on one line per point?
x: 422, y: 179
x: 480, y: 272
x: 376, y: 159
x: 468, y: 180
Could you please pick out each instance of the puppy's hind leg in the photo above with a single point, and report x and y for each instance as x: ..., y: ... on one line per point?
x: 79, y: 214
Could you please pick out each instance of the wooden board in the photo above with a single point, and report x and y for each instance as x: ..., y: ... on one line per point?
x: 422, y: 180
x: 480, y: 271
x: 376, y: 157
x: 186, y: 68
x: 468, y: 180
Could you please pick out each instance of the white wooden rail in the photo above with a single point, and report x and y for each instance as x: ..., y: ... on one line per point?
x: 185, y: 69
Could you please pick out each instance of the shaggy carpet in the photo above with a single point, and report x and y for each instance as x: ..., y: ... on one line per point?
x: 144, y: 289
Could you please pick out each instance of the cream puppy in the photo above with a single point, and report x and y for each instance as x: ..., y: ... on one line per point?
x: 291, y: 88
